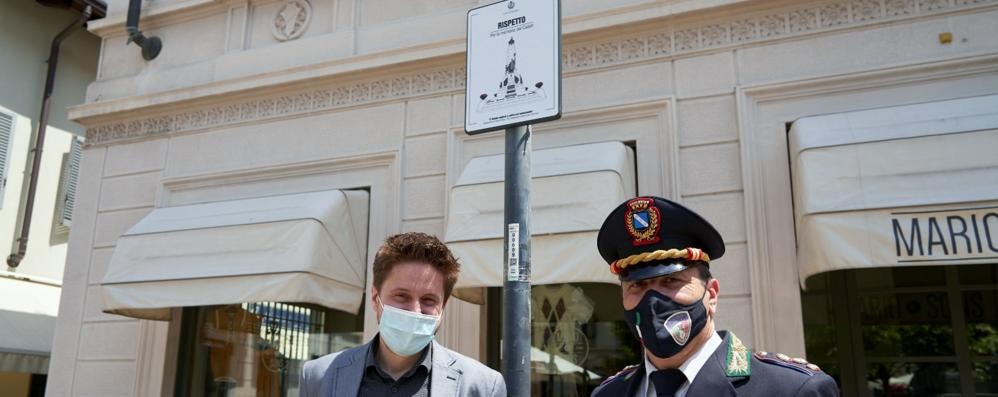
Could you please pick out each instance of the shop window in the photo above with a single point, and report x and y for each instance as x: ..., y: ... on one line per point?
x: 578, y: 337
x: 257, y: 349
x: 911, y: 331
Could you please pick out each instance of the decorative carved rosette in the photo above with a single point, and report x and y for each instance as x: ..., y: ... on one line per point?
x: 292, y: 20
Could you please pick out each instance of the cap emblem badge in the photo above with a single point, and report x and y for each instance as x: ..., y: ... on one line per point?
x: 642, y: 221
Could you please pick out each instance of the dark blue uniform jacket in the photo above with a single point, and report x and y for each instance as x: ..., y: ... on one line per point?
x: 726, y: 374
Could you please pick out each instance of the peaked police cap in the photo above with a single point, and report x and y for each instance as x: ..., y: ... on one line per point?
x: 648, y: 237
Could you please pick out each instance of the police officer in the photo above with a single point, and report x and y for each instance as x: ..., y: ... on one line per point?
x: 661, y: 251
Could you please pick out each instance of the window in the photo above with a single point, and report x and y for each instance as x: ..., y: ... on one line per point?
x: 70, y: 177
x: 257, y: 349
x: 66, y: 197
x: 906, y: 331
x: 6, y: 137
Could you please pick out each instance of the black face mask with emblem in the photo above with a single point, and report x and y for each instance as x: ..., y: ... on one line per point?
x: 664, y: 326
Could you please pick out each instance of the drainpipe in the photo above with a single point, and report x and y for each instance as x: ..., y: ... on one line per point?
x: 150, y: 45
x: 22, y: 241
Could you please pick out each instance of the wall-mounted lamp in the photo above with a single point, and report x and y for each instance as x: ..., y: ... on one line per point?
x: 150, y: 45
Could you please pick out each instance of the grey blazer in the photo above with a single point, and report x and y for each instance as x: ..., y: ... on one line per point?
x: 339, y: 374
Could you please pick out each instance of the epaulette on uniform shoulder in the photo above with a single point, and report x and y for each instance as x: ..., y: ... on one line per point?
x: 624, y: 374
x: 798, y: 364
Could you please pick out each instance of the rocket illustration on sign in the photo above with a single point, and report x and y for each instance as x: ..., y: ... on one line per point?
x: 512, y: 88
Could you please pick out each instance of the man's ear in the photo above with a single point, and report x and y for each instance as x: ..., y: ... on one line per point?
x: 713, y: 289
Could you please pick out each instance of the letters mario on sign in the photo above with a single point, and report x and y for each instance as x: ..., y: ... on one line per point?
x: 948, y: 235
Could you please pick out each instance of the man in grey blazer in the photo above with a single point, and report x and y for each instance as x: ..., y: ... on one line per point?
x: 414, y: 274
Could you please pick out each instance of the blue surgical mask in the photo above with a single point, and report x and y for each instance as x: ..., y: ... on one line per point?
x: 406, y: 333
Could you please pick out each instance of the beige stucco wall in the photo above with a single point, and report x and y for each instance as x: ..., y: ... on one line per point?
x: 704, y: 92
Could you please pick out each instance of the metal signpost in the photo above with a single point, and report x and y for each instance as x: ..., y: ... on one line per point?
x: 514, y: 80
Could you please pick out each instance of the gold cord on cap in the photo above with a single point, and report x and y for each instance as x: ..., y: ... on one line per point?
x: 689, y: 253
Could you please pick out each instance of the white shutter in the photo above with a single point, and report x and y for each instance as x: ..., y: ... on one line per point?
x: 71, y: 175
x: 6, y: 134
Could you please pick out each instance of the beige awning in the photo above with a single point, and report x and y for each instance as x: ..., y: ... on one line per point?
x: 573, y: 189
x: 906, y: 185
x: 307, y: 247
x: 27, y: 321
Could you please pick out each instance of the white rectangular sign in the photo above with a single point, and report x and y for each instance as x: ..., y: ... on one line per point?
x: 514, y: 64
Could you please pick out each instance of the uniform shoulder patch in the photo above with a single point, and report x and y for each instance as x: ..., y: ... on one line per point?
x: 623, y: 374
x: 783, y: 360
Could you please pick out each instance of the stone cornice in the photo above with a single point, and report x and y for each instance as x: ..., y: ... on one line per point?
x: 729, y: 30
x: 155, y: 15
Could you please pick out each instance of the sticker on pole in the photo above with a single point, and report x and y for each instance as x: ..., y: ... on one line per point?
x: 514, y: 65
x: 513, y: 252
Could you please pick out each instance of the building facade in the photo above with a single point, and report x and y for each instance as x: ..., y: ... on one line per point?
x: 29, y: 291
x: 234, y: 189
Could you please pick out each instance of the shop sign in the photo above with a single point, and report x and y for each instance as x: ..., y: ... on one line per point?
x: 962, y: 234
x: 912, y: 236
x: 924, y: 308
x: 513, y: 65
x: 908, y: 308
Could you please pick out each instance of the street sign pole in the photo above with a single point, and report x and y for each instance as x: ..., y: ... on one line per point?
x: 514, y: 81
x: 516, y: 287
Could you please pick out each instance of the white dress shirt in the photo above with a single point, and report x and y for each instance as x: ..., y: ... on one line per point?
x: 690, y: 368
